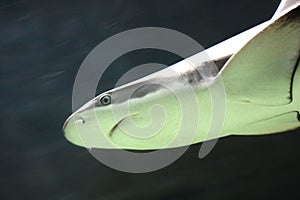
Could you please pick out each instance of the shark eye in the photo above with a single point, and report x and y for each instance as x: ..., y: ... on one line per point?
x: 105, y: 100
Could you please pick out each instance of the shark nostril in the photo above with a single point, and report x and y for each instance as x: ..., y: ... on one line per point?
x: 79, y: 121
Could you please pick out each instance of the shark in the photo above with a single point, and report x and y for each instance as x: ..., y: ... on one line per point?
x: 259, y: 74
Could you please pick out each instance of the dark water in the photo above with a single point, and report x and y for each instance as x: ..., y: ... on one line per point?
x: 42, y: 46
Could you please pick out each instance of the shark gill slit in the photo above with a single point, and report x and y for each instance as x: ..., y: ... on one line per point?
x: 292, y: 82
x: 293, y: 77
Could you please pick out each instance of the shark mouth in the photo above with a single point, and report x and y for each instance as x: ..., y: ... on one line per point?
x: 118, y: 124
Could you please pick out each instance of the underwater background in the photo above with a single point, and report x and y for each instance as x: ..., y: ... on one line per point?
x: 42, y: 45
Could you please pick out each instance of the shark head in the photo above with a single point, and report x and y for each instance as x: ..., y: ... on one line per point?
x: 144, y: 114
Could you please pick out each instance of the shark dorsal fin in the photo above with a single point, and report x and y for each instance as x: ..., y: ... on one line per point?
x: 284, y: 7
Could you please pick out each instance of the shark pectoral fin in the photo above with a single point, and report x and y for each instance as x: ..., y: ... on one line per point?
x: 279, y: 123
x: 262, y: 71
